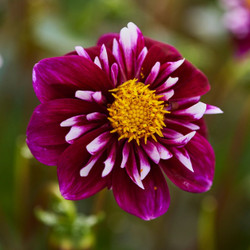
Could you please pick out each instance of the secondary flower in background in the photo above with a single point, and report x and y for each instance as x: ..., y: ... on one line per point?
x: 237, y: 21
x: 119, y: 115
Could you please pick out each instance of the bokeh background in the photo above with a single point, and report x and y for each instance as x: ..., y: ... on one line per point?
x: 32, y: 213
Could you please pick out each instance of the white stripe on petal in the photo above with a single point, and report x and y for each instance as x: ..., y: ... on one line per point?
x: 180, y: 141
x: 133, y: 172
x: 167, y: 95
x: 213, y: 110
x: 152, y: 152
x: 77, y: 131
x: 140, y: 61
x: 183, y: 156
x: 114, y: 73
x: 164, y: 153
x: 174, y: 65
x: 116, y: 51
x: 196, y: 111
x: 72, y: 120
x: 98, y: 143
x: 183, y: 123
x: 170, y: 82
x: 144, y: 164
x: 125, y: 154
x: 153, y: 74
x: 110, y: 161
x: 133, y: 30
x: 95, y: 116
x: 82, y: 52
x: 98, y: 97
x: 104, y: 59
x: 125, y: 42
x: 86, y: 169
x: 97, y: 62
x: 85, y: 95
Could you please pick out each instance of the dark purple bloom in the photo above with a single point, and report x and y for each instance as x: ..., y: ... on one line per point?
x: 237, y: 21
x: 120, y: 115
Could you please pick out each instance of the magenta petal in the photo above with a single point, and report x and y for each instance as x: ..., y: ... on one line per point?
x: 132, y: 170
x: 213, y: 110
x: 60, y: 77
x: 45, y: 136
x: 72, y: 185
x: 82, y: 52
x: 110, y: 161
x: 167, y: 51
x: 194, y: 112
x: 179, y: 141
x: 203, y: 161
x: 144, y: 163
x: 99, y: 143
x: 192, y: 82
x: 152, y: 151
x: 125, y: 154
x: 107, y: 39
x: 148, y: 203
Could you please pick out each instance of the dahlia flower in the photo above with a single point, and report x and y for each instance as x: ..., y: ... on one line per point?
x: 237, y: 21
x: 121, y: 115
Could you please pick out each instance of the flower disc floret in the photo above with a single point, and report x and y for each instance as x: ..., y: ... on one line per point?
x: 136, y: 112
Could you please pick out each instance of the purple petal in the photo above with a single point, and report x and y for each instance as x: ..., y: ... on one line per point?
x: 72, y: 185
x: 110, y: 161
x: 125, y: 42
x: 163, y: 152
x: 146, y: 204
x: 153, y: 74
x: 144, y: 164
x: 137, y: 39
x: 84, y: 95
x: 114, y: 73
x: 97, y: 62
x: 170, y: 82
x: 213, y: 110
x: 202, y: 158
x: 152, y: 151
x: 78, y: 130
x: 98, y: 97
x: 104, y: 59
x: 61, y: 77
x: 184, y: 102
x: 73, y: 120
x: 167, y: 52
x: 132, y: 170
x: 82, y: 52
x: 167, y: 95
x: 90, y: 164
x: 99, y: 143
x: 140, y: 61
x: 183, y: 123
x: 125, y: 154
x: 158, y: 54
x: 194, y: 112
x: 170, y: 133
x: 45, y: 136
x: 116, y: 50
x: 107, y: 39
x: 95, y: 116
x: 182, y: 155
x: 192, y: 82
x: 180, y: 141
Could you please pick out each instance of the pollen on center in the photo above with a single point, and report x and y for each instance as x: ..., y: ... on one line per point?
x: 136, y: 112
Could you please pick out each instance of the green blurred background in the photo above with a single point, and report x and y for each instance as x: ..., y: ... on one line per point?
x: 32, y: 214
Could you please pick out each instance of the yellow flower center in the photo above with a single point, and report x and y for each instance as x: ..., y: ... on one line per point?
x: 136, y: 112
